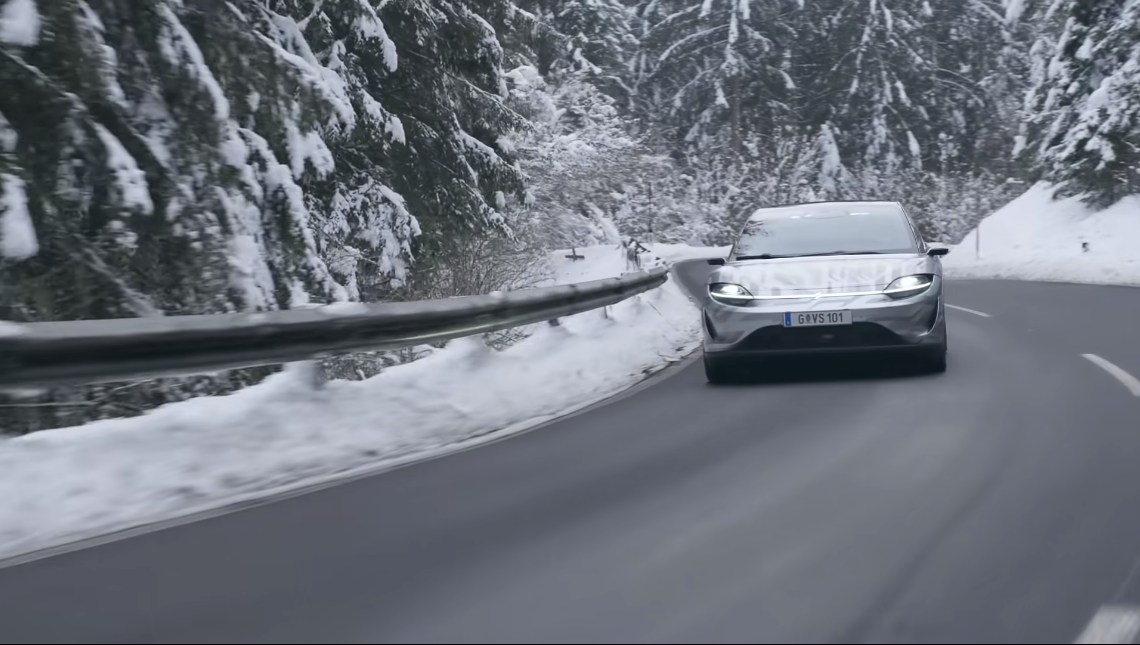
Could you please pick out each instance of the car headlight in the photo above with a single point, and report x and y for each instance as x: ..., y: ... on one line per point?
x: 908, y: 286
x: 730, y: 293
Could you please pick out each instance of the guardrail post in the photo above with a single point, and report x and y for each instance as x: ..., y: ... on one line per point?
x: 311, y: 372
x: 978, y: 241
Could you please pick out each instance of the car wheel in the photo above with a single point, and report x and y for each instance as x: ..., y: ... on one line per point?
x: 718, y: 371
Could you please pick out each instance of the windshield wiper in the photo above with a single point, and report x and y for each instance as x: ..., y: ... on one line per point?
x: 772, y: 256
x: 764, y: 256
x: 813, y: 255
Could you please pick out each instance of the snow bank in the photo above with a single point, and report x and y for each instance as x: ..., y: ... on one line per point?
x: 185, y: 457
x: 20, y: 23
x: 1035, y: 238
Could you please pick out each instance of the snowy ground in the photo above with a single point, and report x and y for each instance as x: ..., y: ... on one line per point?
x: 1034, y: 238
x: 681, y: 252
x: 186, y: 457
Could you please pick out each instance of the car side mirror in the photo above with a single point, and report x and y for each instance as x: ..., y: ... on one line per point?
x: 717, y: 262
x: 938, y: 252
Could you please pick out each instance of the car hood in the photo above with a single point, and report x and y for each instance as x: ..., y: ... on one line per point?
x: 831, y: 274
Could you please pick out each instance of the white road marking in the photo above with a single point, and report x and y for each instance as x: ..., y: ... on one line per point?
x: 970, y: 311
x: 1125, y: 378
x: 1113, y: 625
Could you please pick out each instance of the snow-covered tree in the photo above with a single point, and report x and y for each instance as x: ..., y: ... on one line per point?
x: 449, y: 93
x: 877, y: 72
x: 585, y: 38
x: 1083, y: 113
x: 576, y: 155
x: 982, y: 48
x: 712, y: 71
x: 195, y: 156
x: 190, y: 157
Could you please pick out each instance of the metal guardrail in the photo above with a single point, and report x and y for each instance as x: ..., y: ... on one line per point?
x: 63, y: 353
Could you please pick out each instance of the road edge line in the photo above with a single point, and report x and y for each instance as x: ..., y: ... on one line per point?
x: 1126, y: 379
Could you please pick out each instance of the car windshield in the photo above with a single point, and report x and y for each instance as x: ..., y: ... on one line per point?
x: 825, y: 229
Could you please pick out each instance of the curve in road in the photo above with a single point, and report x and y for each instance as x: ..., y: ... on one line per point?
x: 994, y: 503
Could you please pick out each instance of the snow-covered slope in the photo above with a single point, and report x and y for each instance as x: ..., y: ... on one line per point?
x: 1035, y: 238
x: 206, y: 452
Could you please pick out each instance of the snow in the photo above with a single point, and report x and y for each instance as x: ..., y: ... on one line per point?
x: 319, y: 78
x: 20, y: 23
x: 129, y: 178
x: 345, y: 309
x: 1035, y: 238
x: 9, y: 330
x: 109, y: 71
x: 8, y: 137
x: 369, y: 26
x: 308, y: 147
x: 681, y: 252
x: 1014, y: 10
x: 278, y: 180
x: 912, y: 143
x: 17, y: 233
x: 186, y: 457
x: 478, y: 147
x: 180, y: 48
x: 248, y: 271
x: 394, y: 127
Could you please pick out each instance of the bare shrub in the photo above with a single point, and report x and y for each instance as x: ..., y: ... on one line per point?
x: 476, y: 265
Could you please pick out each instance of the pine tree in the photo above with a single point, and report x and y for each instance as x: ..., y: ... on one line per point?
x: 599, y: 33
x: 449, y: 92
x: 197, y: 156
x: 1084, y: 109
x: 571, y: 40
x: 871, y: 69
x: 712, y: 71
x: 982, y: 51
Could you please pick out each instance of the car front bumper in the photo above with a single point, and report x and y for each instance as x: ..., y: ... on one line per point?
x: 879, y: 324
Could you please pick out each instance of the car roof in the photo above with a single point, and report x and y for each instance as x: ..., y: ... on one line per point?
x: 769, y: 212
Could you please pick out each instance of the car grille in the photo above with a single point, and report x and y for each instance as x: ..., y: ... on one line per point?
x: 856, y: 335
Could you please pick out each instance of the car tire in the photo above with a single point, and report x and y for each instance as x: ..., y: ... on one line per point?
x: 936, y: 360
x: 718, y: 371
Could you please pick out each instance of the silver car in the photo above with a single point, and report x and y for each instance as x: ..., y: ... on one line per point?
x: 821, y: 278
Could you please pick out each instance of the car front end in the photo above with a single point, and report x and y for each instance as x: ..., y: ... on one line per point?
x: 825, y: 278
x: 851, y: 305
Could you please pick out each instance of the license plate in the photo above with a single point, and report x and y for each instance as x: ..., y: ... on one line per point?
x: 817, y: 318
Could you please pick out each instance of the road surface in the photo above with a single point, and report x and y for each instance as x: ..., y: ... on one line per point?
x: 999, y: 502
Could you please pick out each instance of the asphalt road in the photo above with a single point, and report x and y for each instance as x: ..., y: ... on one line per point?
x: 999, y: 502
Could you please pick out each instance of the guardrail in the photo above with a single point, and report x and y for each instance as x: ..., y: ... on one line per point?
x: 69, y: 353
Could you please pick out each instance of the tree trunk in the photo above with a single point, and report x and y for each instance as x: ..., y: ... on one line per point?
x: 737, y: 143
